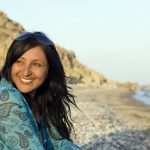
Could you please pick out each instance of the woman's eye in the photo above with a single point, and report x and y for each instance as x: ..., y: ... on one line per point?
x: 19, y: 62
x: 37, y: 64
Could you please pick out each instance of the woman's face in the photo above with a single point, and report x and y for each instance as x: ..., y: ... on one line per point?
x: 30, y: 70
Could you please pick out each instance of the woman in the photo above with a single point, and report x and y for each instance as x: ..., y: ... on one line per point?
x: 34, y: 97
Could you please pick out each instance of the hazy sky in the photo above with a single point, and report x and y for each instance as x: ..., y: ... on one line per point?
x: 111, y: 36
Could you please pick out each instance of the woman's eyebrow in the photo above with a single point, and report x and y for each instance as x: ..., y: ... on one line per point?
x: 31, y: 59
x: 39, y: 60
x: 20, y: 58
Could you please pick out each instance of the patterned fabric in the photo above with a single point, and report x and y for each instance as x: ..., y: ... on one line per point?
x: 18, y: 128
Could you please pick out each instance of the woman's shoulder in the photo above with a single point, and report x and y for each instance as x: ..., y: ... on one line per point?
x: 8, y: 93
x: 16, y: 125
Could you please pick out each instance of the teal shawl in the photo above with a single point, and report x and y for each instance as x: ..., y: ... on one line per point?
x: 18, y: 128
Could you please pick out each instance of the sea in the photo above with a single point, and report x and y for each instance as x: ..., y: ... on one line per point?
x: 143, y: 95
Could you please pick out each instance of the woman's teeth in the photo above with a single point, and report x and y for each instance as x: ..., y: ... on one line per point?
x: 25, y: 80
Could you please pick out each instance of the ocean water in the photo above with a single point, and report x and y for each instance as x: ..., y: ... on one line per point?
x: 142, y: 95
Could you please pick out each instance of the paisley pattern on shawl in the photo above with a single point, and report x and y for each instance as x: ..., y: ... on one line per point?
x: 18, y: 128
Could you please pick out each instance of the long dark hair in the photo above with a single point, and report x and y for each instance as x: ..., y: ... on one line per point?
x: 53, y: 97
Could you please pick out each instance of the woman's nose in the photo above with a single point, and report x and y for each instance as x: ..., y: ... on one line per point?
x: 27, y: 71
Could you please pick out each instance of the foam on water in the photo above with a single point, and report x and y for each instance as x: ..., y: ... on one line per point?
x: 142, y: 95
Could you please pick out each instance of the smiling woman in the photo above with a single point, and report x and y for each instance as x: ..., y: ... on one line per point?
x: 33, y: 93
x: 30, y: 70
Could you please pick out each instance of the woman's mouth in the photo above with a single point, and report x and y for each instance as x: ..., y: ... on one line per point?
x: 26, y: 80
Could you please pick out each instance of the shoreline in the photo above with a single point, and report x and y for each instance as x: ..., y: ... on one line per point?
x: 105, y: 111
x: 143, y: 96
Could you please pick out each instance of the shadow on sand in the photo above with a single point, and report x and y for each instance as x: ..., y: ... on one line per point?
x: 127, y: 139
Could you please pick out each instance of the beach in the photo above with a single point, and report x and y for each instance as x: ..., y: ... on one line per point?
x: 109, y: 112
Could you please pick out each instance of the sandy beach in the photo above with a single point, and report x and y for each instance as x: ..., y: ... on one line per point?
x: 107, y: 110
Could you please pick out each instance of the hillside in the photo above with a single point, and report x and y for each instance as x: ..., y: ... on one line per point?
x: 77, y: 72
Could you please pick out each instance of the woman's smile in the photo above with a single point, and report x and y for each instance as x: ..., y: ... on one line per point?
x: 26, y: 80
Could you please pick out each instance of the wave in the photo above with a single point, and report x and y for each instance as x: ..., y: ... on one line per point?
x: 142, y: 95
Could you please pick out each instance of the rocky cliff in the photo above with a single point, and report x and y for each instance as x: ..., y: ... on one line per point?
x: 77, y: 72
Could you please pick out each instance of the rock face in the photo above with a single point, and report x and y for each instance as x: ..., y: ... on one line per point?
x: 8, y: 31
x: 77, y: 73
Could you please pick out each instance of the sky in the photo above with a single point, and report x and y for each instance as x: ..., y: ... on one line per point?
x: 110, y: 36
